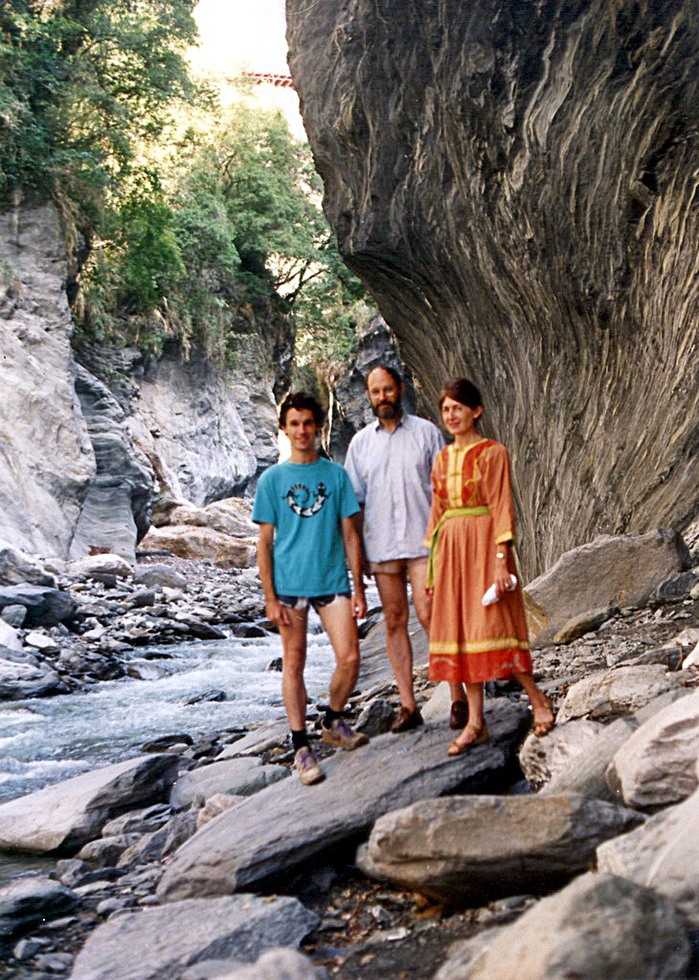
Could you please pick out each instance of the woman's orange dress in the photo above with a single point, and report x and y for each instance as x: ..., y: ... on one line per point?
x: 471, y: 642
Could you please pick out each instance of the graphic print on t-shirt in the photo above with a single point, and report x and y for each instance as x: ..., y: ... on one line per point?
x: 299, y: 496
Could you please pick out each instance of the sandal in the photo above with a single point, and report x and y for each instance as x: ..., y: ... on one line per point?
x: 478, y: 737
x: 543, y: 727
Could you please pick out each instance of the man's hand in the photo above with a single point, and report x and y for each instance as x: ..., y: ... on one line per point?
x: 358, y: 604
x: 278, y: 613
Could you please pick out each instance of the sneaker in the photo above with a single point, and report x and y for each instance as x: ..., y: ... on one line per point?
x: 406, y: 720
x: 341, y: 735
x: 307, y: 767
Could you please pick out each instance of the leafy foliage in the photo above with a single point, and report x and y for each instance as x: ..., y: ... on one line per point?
x: 190, y: 220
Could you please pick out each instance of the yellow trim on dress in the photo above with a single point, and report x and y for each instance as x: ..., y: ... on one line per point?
x: 482, y: 646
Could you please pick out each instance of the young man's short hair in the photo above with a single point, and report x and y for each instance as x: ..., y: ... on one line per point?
x: 300, y: 400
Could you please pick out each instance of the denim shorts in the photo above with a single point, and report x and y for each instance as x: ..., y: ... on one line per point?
x: 301, y: 602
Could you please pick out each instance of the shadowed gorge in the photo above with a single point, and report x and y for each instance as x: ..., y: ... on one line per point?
x: 516, y: 182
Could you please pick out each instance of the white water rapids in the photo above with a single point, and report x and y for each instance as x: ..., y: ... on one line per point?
x: 45, y: 740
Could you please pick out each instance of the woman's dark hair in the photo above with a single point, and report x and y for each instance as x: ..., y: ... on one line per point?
x: 395, y: 375
x: 462, y: 391
x: 300, y: 401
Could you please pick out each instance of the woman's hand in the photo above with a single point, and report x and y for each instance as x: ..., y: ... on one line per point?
x: 502, y: 582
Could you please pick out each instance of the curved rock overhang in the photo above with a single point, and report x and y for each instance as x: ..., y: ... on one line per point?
x: 517, y: 184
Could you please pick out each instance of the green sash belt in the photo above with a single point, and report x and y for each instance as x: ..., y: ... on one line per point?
x: 447, y: 516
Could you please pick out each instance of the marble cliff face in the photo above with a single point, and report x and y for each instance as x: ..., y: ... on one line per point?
x: 515, y: 181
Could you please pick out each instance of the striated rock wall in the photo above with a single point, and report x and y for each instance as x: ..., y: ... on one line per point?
x: 516, y: 182
x: 46, y: 459
x: 87, y: 442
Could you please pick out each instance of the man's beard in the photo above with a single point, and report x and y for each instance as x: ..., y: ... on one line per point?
x: 387, y: 410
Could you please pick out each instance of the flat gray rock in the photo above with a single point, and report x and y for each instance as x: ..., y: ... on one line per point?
x: 159, y: 943
x: 25, y: 680
x: 237, y: 777
x: 285, y: 824
x: 67, y: 815
x: 598, y: 927
x: 465, y: 850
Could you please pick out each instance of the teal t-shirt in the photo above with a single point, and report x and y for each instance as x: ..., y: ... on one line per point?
x: 306, y: 503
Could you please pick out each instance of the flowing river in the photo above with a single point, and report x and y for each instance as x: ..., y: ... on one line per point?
x: 46, y: 740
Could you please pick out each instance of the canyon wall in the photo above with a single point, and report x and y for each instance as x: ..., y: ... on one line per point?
x: 517, y: 184
x: 89, y: 439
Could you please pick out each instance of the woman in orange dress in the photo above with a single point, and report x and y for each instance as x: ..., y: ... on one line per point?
x: 470, y: 535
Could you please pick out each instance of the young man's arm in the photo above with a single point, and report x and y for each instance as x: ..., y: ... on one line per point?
x: 355, y: 560
x: 274, y: 610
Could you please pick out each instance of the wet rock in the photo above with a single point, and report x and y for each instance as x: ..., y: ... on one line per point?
x: 403, y: 770
x: 598, y: 926
x: 69, y: 814
x: 25, y: 680
x: 621, y: 570
x: 45, y: 606
x: 472, y: 849
x: 656, y: 766
x: 237, y: 777
x: 162, y: 942
x: 27, y: 901
x: 216, y: 695
x: 14, y: 616
x: 620, y: 691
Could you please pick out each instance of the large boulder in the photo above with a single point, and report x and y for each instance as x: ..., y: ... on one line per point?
x: 543, y: 758
x: 622, y: 570
x: 191, y: 541
x: 65, y: 816
x: 598, y: 926
x: 663, y: 855
x: 587, y: 771
x: 467, y: 850
x: 360, y: 786
x: 45, y: 606
x: 512, y: 182
x: 656, y: 766
x: 158, y: 943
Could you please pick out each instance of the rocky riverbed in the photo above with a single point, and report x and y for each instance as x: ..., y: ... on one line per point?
x: 199, y: 853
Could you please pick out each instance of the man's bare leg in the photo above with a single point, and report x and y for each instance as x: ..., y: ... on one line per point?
x: 394, y: 601
x: 417, y: 573
x: 293, y: 664
x: 341, y: 627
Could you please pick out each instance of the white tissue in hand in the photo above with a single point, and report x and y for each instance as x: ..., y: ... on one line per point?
x: 491, y: 595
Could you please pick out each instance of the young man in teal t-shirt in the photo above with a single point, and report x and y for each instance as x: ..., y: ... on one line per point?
x: 305, y: 509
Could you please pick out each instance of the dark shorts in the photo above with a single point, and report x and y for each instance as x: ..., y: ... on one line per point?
x: 301, y: 602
